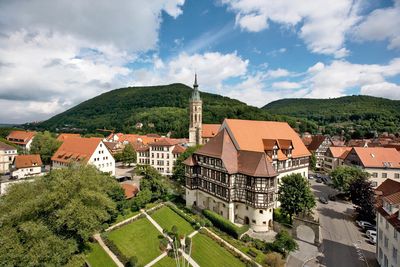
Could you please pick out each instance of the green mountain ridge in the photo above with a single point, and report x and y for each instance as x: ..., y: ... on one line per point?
x: 357, y: 115
x: 161, y: 109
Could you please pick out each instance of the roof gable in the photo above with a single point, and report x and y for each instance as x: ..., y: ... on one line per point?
x: 79, y: 149
x: 27, y: 161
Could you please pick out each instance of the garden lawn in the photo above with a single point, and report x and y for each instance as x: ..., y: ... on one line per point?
x: 139, y: 238
x: 206, y: 252
x: 167, y: 218
x: 98, y: 257
x: 128, y: 214
x: 167, y: 262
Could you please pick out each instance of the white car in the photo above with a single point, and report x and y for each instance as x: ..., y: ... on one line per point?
x: 372, y: 239
x: 371, y: 233
x: 364, y: 224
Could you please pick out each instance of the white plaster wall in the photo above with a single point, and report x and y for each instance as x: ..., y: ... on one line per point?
x: 105, y: 162
x: 26, y: 172
x: 5, y: 159
x: 390, y: 174
x: 392, y: 242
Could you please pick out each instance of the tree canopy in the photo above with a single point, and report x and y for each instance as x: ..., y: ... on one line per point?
x: 46, y: 145
x: 128, y: 155
x: 362, y: 195
x: 295, y: 195
x: 343, y: 176
x: 47, y: 221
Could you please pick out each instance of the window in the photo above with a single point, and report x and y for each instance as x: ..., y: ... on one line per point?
x: 386, y: 241
x: 374, y: 183
x: 253, y: 221
x: 386, y: 225
x: 384, y: 175
x: 394, y: 254
x: 261, y: 211
x: 394, y: 233
x: 375, y: 174
x: 380, y: 234
x: 397, y: 175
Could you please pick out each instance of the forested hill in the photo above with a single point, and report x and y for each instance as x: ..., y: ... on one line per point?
x: 364, y: 114
x: 160, y: 108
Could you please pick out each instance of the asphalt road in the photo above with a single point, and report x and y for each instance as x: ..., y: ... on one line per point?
x: 343, y: 243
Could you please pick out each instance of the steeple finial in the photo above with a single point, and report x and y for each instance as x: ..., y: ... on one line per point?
x: 195, y: 81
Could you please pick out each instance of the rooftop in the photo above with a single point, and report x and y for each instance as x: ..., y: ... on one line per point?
x: 26, y: 161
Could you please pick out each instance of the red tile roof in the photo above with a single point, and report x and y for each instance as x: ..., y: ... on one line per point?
x: 340, y: 152
x: 389, y: 191
x: 316, y: 141
x: 130, y: 190
x: 210, y: 130
x: 20, y: 137
x: 165, y: 142
x: 178, y: 149
x: 64, y: 136
x: 378, y: 157
x: 27, y: 161
x: 76, y: 149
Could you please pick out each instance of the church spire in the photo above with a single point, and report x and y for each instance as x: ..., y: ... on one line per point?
x: 195, y: 94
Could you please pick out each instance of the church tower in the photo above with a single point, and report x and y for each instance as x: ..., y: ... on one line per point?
x: 195, y: 111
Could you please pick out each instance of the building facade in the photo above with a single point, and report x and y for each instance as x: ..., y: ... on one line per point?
x: 237, y: 173
x: 22, y: 139
x: 318, y: 146
x: 195, y: 114
x: 25, y: 166
x: 7, y: 155
x: 388, y: 224
x: 380, y: 162
x: 161, y: 154
x: 85, y: 150
x: 334, y: 157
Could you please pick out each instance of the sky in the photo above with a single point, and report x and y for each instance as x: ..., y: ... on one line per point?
x: 54, y: 54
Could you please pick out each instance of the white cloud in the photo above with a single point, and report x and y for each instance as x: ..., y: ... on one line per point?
x: 337, y: 78
x: 277, y: 73
x: 381, y: 24
x: 323, y: 24
x: 286, y: 85
x: 55, y: 54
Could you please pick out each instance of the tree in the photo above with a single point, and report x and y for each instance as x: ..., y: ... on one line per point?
x: 153, y: 181
x: 362, y: 195
x: 285, y: 243
x: 313, y: 162
x: 179, y: 168
x: 295, y: 195
x: 343, y: 176
x: 47, y: 221
x: 128, y: 155
x: 45, y: 145
x: 141, y: 199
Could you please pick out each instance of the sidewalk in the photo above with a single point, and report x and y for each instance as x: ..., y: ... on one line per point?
x: 107, y: 250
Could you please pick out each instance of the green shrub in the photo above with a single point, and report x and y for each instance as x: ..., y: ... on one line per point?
x: 274, y: 259
x: 115, y: 250
x: 224, y: 224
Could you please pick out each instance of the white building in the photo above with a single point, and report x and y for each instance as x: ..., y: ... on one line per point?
x: 237, y: 173
x: 7, y: 155
x: 22, y: 139
x: 380, y: 162
x: 161, y: 154
x: 25, y: 166
x: 334, y: 157
x: 388, y: 224
x: 86, y: 150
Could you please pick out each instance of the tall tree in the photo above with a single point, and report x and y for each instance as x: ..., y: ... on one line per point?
x: 343, y: 176
x: 313, y: 162
x: 153, y: 181
x: 45, y: 145
x: 295, y: 195
x: 179, y: 168
x: 47, y: 221
x: 362, y: 195
x: 128, y: 155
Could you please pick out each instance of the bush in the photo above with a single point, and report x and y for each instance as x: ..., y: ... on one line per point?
x: 279, y: 217
x: 122, y: 258
x: 284, y: 243
x: 133, y: 262
x: 225, y: 225
x: 252, y: 253
x: 274, y: 259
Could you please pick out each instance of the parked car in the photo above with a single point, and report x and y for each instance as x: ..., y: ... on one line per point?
x: 323, y: 200
x: 370, y: 233
x: 318, y: 180
x: 310, y: 176
x: 364, y: 224
x: 367, y: 228
x: 372, y: 239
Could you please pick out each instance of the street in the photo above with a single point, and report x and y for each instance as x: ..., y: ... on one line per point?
x: 343, y: 243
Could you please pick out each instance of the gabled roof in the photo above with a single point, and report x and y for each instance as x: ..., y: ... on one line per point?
x: 378, y: 157
x: 255, y: 164
x: 165, y: 142
x: 24, y: 136
x: 190, y: 161
x: 64, y: 136
x: 27, y: 161
x: 111, y: 145
x: 210, y: 130
x: 388, y: 191
x: 76, y: 149
x: 249, y: 135
x: 388, y: 187
x: 339, y: 152
x: 6, y: 147
x: 178, y: 149
x: 316, y: 142
x: 130, y: 190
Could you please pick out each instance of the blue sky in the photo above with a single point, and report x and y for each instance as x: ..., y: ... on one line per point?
x: 56, y: 54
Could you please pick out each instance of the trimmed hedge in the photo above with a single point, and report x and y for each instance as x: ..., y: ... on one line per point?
x: 180, y: 213
x: 224, y: 224
x: 115, y: 249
